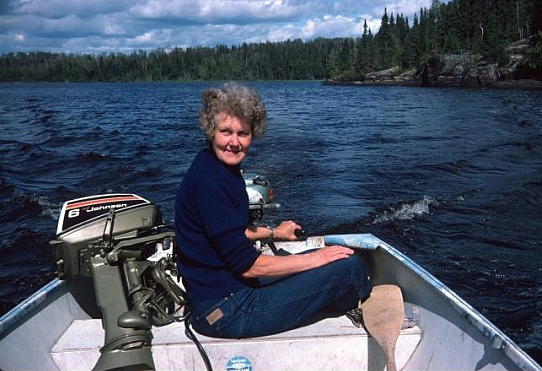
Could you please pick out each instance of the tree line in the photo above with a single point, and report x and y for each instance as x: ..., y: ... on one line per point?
x: 476, y: 26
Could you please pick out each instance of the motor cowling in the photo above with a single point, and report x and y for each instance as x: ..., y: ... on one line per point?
x: 84, y: 228
x: 260, y: 195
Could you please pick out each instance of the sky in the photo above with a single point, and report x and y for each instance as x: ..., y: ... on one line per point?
x: 124, y: 26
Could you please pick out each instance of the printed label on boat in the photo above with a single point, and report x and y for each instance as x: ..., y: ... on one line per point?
x: 239, y: 363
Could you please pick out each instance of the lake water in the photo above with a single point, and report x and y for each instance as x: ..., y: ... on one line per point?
x: 451, y: 177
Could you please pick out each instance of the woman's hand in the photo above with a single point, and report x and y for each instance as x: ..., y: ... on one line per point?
x: 329, y: 254
x: 286, y: 230
x: 270, y: 265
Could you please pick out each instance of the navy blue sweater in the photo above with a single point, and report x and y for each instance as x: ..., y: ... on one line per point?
x: 211, y: 215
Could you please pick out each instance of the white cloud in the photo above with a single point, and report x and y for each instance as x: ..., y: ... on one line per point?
x: 406, y: 7
x: 288, y: 32
x: 159, y: 9
x: 331, y: 26
x: 216, y: 12
x: 12, y: 38
x: 151, y: 38
x: 125, y: 25
x: 113, y: 29
x: 61, y: 8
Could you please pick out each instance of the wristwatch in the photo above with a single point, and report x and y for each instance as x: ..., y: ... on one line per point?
x: 272, y: 232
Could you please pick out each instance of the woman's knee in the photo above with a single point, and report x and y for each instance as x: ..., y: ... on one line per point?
x: 353, y: 266
x: 358, y: 275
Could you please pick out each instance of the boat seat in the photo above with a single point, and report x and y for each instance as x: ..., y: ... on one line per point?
x: 333, y: 343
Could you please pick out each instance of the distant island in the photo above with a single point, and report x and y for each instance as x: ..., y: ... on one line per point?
x: 477, y: 43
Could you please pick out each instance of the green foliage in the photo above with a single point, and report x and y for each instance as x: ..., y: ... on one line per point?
x: 475, y: 26
x: 535, y: 53
x: 288, y: 60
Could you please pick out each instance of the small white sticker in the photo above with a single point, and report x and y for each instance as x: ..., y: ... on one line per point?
x: 239, y: 363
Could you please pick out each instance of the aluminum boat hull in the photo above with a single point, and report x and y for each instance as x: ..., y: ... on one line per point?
x: 452, y: 334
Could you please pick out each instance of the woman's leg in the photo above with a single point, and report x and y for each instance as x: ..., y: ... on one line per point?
x: 288, y: 302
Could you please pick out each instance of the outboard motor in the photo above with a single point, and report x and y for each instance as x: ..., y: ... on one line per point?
x: 109, y: 238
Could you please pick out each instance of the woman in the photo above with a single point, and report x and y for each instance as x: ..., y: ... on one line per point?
x: 235, y: 291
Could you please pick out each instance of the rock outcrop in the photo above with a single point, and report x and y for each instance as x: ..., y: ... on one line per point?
x: 457, y: 70
x: 463, y: 70
x: 392, y: 76
x: 468, y: 70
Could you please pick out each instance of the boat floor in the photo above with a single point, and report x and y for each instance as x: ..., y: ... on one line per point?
x: 333, y: 343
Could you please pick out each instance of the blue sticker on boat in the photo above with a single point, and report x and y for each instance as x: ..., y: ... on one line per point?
x: 239, y: 363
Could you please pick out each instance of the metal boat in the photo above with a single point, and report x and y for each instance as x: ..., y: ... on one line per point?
x: 59, y: 328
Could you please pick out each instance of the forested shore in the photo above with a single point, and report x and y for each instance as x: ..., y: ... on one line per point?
x: 477, y: 27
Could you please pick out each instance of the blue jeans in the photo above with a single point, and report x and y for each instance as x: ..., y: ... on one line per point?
x: 285, y: 303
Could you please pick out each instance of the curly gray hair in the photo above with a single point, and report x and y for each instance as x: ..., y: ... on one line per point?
x: 234, y: 100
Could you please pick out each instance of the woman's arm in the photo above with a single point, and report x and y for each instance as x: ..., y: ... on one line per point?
x: 269, y: 265
x: 285, y: 231
x: 258, y: 233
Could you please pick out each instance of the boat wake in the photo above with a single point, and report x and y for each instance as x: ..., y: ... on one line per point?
x: 406, y: 211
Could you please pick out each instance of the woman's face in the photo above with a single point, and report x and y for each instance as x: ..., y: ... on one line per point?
x: 231, y: 139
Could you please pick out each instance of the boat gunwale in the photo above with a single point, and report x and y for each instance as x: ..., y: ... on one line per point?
x: 16, y: 316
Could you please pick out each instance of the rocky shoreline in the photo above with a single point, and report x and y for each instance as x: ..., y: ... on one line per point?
x: 509, y: 84
x: 460, y: 70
